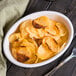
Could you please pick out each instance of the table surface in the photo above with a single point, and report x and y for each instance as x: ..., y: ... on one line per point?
x: 67, y: 7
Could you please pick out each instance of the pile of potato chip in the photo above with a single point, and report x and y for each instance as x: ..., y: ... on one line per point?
x: 37, y: 40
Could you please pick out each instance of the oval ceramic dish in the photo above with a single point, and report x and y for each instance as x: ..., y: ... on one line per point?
x: 52, y: 15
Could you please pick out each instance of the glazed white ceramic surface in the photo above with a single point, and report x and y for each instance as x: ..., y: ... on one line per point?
x: 52, y: 15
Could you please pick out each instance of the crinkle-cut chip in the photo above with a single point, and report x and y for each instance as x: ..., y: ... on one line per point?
x: 41, y: 22
x: 23, y: 26
x: 15, y: 37
x: 44, y: 53
x: 61, y: 28
x: 31, y: 60
x: 51, y: 43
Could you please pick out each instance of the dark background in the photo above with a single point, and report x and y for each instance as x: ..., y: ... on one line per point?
x: 67, y: 7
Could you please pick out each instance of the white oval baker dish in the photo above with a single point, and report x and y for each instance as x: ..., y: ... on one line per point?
x: 52, y: 15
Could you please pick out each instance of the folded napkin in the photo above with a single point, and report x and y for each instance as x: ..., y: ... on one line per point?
x: 10, y: 11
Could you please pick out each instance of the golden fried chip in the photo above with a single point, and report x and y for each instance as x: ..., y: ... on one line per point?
x: 44, y: 53
x: 23, y: 26
x: 14, y: 52
x: 61, y: 28
x: 31, y: 45
x: 35, y: 33
x: 23, y: 54
x: 41, y: 22
x: 38, y: 41
x: 31, y: 60
x: 15, y: 37
x: 52, y: 30
x: 38, y: 60
x: 52, y: 22
x: 15, y: 44
x: 63, y: 46
x: 32, y: 31
x: 51, y: 43
x: 62, y: 40
x: 41, y: 33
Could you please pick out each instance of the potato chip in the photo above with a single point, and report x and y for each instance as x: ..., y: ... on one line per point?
x: 51, y: 43
x: 35, y: 33
x: 32, y: 31
x: 15, y: 37
x: 38, y: 60
x: 15, y: 44
x: 44, y: 53
x: 56, y: 37
x: 52, y: 22
x: 23, y: 54
x: 38, y: 41
x: 29, y: 45
x: 33, y: 42
x: 41, y: 33
x: 31, y: 60
x: 52, y: 30
x: 41, y: 22
x: 62, y: 40
x: 14, y: 52
x: 63, y: 45
x: 61, y: 28
x: 23, y: 26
